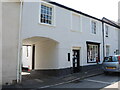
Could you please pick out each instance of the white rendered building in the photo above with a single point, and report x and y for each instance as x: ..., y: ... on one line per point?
x: 62, y: 40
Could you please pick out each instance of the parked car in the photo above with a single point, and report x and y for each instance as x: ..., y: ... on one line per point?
x: 111, y: 64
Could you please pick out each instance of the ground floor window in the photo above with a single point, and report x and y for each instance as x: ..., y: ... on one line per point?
x: 107, y: 50
x: 92, y: 53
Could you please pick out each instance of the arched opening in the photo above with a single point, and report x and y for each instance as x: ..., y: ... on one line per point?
x: 39, y: 55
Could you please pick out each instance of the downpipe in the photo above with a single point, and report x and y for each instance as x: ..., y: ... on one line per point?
x: 19, y: 77
x: 103, y: 39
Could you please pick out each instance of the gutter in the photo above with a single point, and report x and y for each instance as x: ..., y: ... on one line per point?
x: 19, y: 78
x: 110, y: 22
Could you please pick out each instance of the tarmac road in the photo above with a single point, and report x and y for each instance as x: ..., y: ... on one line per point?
x: 98, y: 82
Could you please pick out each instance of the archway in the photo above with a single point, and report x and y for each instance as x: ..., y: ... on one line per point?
x: 39, y: 54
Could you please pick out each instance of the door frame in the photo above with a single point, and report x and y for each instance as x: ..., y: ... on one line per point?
x: 33, y: 57
x: 78, y: 62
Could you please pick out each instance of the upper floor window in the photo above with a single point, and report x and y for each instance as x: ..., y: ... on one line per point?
x: 46, y: 14
x: 106, y: 30
x: 94, y: 27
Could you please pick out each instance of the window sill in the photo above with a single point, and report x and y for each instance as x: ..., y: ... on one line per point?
x: 47, y: 24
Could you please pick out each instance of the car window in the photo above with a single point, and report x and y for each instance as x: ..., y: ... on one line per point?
x: 106, y: 59
x: 114, y: 58
x: 111, y: 59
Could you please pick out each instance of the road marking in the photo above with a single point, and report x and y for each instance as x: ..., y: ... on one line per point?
x: 58, y: 83
x: 99, y: 81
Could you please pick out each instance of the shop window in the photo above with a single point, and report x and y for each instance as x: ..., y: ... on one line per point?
x: 92, y: 53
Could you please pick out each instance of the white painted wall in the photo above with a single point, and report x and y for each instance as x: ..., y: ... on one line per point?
x: 10, y: 35
x: 119, y: 24
x: 119, y: 40
x: 119, y: 11
x: 0, y: 45
x: 112, y: 39
x: 46, y: 55
x: 63, y: 34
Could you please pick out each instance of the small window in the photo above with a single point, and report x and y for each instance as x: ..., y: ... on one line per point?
x: 107, y: 50
x: 46, y: 14
x: 106, y: 30
x: 94, y: 27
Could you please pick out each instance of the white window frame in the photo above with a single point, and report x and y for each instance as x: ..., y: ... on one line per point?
x: 73, y: 13
x: 106, y: 50
x: 92, y: 28
x: 53, y: 13
x: 106, y: 31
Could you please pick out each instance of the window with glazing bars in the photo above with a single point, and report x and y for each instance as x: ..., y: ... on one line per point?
x: 94, y: 27
x: 46, y: 14
x: 106, y: 30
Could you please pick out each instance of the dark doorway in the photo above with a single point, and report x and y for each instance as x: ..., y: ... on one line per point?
x: 76, y: 61
x: 33, y: 57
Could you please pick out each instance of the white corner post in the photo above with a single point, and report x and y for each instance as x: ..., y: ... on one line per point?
x: 19, y: 77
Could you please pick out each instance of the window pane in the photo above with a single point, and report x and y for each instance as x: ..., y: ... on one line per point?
x: 51, y: 9
x: 42, y: 7
x: 47, y: 12
x: 50, y: 12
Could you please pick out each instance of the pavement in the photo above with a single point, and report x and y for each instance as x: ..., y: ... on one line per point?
x: 50, y: 81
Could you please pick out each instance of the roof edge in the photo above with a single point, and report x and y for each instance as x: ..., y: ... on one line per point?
x: 68, y: 8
